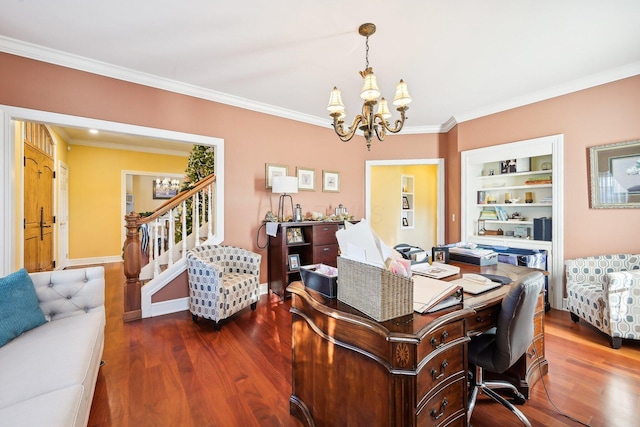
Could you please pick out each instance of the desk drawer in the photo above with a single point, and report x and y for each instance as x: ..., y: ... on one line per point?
x: 325, y: 234
x: 439, y: 337
x: 326, y: 254
x: 439, y: 369
x: 445, y: 408
x: 483, y: 319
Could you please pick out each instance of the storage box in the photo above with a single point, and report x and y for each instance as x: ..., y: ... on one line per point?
x: 476, y: 260
x: 375, y: 291
x: 326, y: 285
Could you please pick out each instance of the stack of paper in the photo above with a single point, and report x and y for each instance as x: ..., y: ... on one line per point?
x: 436, y: 270
x: 430, y: 295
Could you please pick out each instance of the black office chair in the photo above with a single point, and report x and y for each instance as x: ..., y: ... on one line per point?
x: 499, y: 348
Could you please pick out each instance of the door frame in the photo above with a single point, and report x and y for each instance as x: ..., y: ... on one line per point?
x: 11, y: 233
x: 410, y: 162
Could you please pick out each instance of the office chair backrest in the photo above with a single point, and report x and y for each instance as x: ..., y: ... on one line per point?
x: 514, y: 332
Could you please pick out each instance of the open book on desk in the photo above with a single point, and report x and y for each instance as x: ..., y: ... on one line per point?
x: 436, y: 270
x: 431, y: 295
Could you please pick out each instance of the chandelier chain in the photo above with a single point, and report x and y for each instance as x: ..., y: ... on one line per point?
x: 367, y: 53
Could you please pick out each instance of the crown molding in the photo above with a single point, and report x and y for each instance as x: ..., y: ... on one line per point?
x: 64, y: 59
x: 52, y: 56
x: 124, y: 147
x: 593, y: 80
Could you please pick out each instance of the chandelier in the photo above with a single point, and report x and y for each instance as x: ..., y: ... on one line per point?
x: 166, y: 184
x: 368, y: 122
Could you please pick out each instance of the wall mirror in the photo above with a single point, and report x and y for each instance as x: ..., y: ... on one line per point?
x: 615, y: 175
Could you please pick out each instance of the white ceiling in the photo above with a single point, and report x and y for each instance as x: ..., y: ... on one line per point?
x: 461, y: 58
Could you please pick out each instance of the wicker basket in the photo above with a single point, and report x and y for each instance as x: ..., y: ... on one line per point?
x: 376, y: 292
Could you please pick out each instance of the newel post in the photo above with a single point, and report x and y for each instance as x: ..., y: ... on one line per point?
x: 132, y: 266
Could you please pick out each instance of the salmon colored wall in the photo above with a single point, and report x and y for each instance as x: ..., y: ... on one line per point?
x: 596, y: 116
x: 599, y: 115
x: 95, y: 198
x: 251, y: 139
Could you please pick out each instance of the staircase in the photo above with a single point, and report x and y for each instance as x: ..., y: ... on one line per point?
x: 155, y: 237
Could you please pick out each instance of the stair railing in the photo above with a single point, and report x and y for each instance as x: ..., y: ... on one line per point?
x: 158, y: 232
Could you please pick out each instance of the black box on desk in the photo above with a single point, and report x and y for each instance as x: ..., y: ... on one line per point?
x: 326, y: 285
x: 490, y: 259
x: 542, y: 229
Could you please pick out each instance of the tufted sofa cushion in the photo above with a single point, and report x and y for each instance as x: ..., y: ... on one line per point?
x: 67, y: 293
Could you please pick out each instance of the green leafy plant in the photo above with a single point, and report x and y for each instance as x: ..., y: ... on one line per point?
x: 201, y: 164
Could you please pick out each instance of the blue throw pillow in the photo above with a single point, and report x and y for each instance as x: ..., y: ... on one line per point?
x: 19, y: 309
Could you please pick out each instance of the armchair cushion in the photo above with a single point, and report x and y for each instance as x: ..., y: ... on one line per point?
x: 605, y: 291
x: 222, y: 280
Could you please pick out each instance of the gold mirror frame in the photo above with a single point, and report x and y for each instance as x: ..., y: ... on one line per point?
x: 615, y: 175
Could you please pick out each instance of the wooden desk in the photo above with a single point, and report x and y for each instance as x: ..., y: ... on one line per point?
x: 350, y: 370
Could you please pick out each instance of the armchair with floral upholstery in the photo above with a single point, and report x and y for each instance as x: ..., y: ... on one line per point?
x: 222, y: 281
x: 605, y: 291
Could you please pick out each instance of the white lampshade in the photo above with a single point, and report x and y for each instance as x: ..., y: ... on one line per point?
x: 284, y: 184
x: 370, y: 90
x: 402, y: 97
x: 383, y: 109
x: 335, y: 102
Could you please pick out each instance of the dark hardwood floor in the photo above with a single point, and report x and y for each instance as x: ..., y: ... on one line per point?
x: 169, y: 371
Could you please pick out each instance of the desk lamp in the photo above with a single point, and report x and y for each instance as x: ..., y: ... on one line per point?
x: 285, y: 186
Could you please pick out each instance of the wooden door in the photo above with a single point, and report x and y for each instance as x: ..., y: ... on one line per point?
x: 38, y: 198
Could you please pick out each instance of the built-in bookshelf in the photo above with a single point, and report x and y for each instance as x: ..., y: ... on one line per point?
x: 508, y: 191
x: 407, y: 201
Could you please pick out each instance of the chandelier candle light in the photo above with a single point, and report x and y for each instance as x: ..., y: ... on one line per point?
x: 368, y: 122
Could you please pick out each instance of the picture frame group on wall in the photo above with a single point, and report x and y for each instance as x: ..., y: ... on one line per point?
x: 330, y: 181
x: 272, y: 170
x: 615, y: 175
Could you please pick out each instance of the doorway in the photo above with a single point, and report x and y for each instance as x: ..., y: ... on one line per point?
x: 385, y: 201
x: 11, y: 181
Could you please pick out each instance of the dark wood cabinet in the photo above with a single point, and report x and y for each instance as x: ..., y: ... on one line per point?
x: 318, y: 246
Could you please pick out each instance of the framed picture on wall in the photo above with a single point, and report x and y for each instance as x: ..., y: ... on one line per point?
x: 615, y: 175
x: 165, y: 189
x: 272, y: 170
x: 330, y: 181
x: 306, y: 179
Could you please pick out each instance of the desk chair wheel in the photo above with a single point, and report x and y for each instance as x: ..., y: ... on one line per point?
x: 519, y: 398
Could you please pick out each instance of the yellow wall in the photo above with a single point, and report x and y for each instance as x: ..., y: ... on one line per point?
x: 95, y: 198
x: 386, y: 205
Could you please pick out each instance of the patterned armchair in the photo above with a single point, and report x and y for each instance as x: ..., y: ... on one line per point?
x: 605, y: 291
x: 222, y: 281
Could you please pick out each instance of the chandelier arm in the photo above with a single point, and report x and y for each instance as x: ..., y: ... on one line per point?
x: 399, y: 123
x: 346, y: 135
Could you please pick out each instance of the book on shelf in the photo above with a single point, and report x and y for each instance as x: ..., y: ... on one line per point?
x: 488, y: 213
x: 436, y: 270
x: 431, y: 295
x: 502, y: 214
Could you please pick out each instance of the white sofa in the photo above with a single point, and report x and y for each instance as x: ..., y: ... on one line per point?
x: 48, y: 374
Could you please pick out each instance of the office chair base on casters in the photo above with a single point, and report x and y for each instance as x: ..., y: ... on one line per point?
x: 487, y: 387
